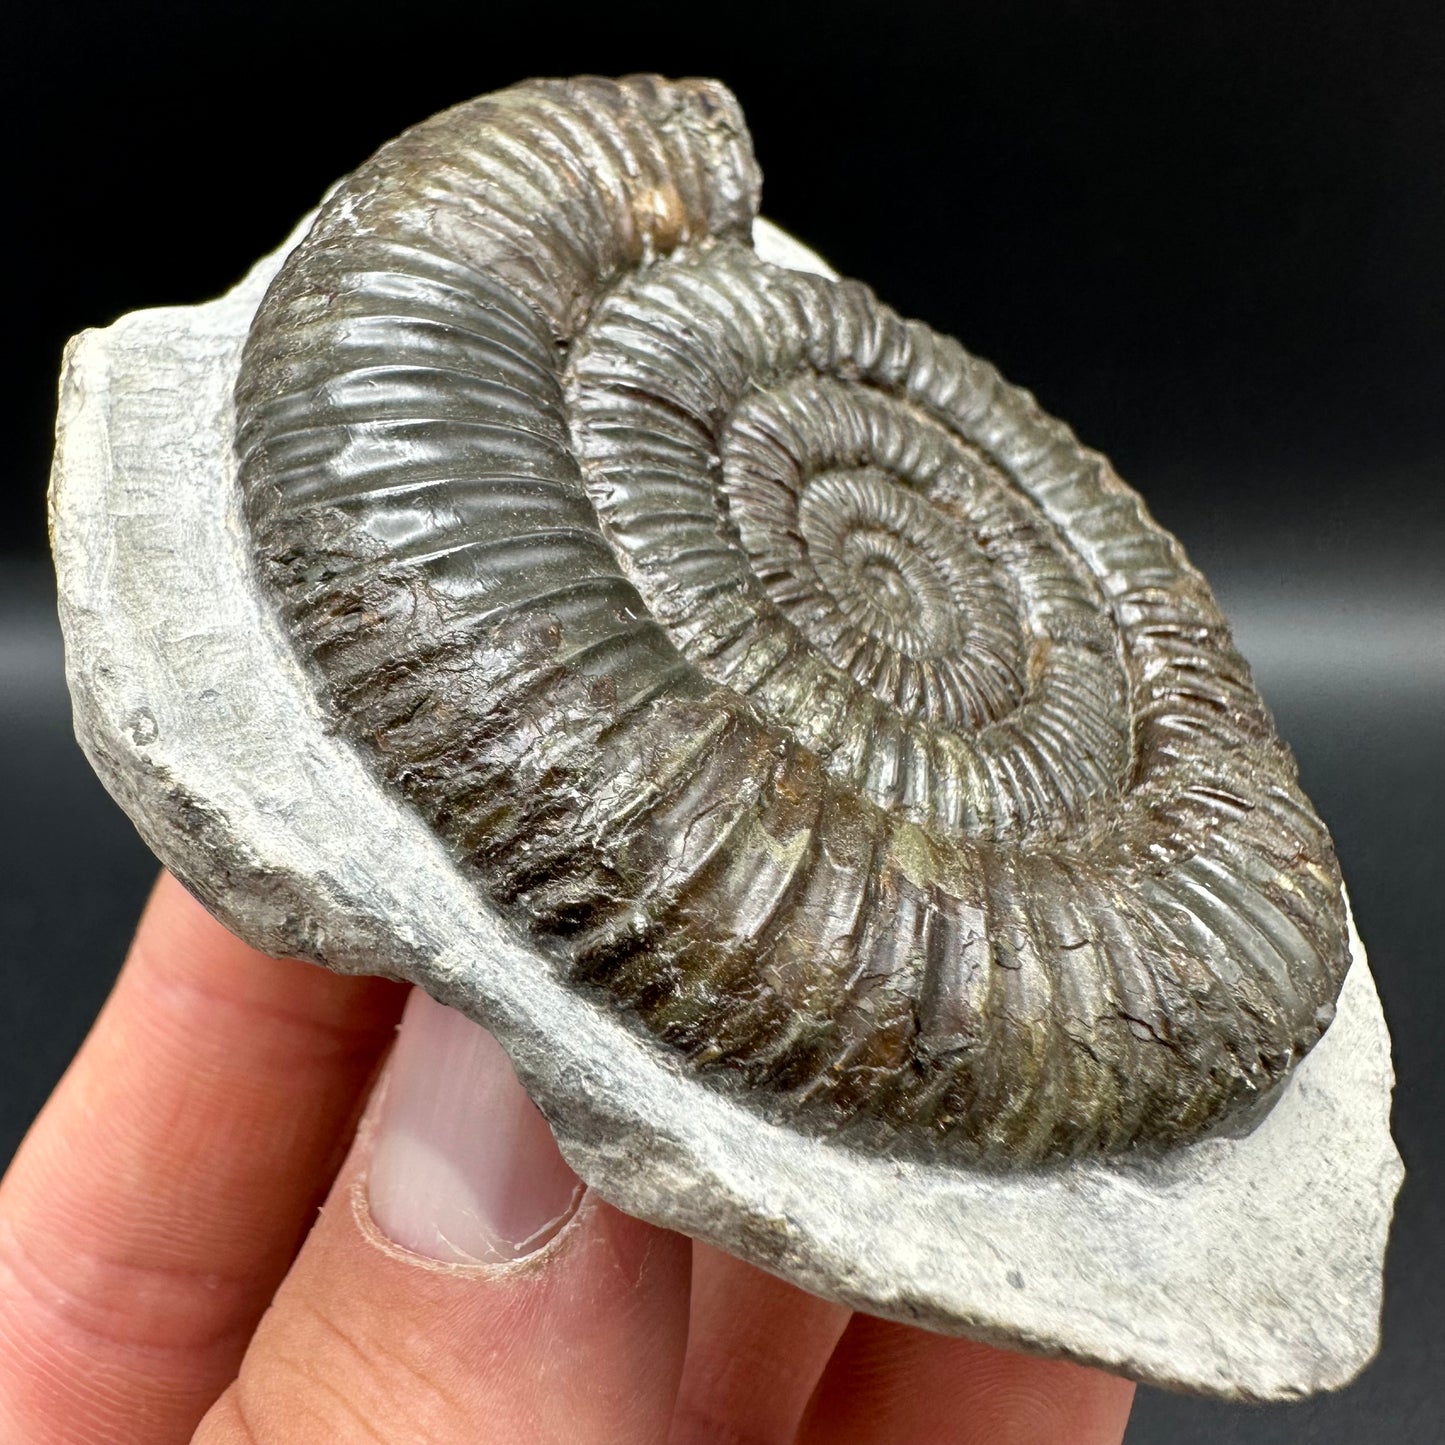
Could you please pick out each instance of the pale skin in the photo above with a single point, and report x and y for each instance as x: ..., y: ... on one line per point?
x: 165, y: 1274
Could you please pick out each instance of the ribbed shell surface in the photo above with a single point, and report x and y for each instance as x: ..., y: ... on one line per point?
x: 795, y: 684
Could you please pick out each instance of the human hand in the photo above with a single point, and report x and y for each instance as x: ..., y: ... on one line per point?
x: 164, y: 1274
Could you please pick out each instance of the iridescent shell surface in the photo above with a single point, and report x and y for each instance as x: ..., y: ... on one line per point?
x: 784, y: 676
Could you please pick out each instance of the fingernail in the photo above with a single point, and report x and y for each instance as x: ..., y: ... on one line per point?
x: 463, y: 1168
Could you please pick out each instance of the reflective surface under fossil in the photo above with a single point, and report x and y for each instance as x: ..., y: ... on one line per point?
x: 809, y: 760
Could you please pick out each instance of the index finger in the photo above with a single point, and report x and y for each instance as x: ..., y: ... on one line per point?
x: 159, y: 1197
x: 891, y: 1383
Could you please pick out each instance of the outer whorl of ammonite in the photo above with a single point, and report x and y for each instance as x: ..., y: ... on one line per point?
x: 789, y: 679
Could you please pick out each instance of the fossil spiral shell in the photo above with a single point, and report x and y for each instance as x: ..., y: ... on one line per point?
x: 789, y: 679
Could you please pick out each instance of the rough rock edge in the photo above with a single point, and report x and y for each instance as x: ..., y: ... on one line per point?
x: 1248, y: 1268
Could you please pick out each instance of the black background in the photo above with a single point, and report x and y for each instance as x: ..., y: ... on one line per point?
x: 1211, y: 237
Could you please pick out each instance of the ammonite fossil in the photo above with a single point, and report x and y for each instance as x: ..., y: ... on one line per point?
x: 840, y: 799
x: 785, y: 676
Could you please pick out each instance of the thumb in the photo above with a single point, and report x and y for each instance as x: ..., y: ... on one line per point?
x: 460, y: 1284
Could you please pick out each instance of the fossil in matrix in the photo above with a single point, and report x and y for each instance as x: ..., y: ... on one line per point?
x: 544, y: 581
x: 792, y: 681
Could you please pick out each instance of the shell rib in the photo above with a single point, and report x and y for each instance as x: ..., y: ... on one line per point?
x: 792, y: 681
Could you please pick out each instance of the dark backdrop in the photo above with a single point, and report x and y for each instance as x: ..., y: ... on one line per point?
x: 1211, y: 237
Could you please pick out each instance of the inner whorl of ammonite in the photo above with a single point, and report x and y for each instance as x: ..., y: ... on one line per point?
x: 794, y: 685
x: 814, y: 533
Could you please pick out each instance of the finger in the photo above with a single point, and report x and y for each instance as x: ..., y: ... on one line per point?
x: 756, y: 1348
x: 888, y: 1384
x: 502, y: 1303
x: 160, y: 1195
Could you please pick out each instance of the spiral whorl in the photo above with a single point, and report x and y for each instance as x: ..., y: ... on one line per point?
x: 816, y: 531
x: 790, y: 679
